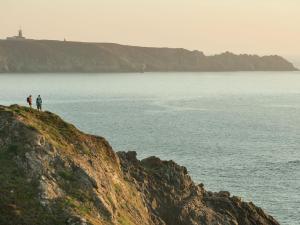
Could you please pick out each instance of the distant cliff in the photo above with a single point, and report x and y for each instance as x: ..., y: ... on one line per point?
x: 57, y: 56
x: 53, y: 174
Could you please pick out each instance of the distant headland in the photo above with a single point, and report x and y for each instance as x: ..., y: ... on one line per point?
x: 21, y: 55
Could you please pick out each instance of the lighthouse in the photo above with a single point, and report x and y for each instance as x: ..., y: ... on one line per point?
x: 20, y: 33
x: 17, y: 38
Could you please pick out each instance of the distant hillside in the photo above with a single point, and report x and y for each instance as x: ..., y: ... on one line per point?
x: 58, y: 56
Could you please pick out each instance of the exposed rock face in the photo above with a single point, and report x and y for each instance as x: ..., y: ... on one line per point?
x: 172, y: 196
x: 51, y: 173
x: 58, y: 56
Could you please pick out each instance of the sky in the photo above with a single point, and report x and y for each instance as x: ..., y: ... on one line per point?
x: 263, y: 27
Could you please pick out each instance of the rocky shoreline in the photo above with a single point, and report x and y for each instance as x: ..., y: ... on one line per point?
x: 52, y: 173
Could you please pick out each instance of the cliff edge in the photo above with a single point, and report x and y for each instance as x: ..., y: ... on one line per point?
x: 45, y: 56
x: 52, y: 173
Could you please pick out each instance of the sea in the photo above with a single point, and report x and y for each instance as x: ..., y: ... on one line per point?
x: 234, y: 131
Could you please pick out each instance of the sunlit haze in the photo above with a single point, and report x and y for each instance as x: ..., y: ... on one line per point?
x: 212, y: 26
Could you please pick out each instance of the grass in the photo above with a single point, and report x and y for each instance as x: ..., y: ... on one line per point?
x: 60, y: 134
x: 67, y: 175
x: 124, y: 221
x: 118, y: 188
x: 73, y: 203
x: 49, y: 124
x: 19, y: 202
x: 78, y: 198
x: 19, y: 197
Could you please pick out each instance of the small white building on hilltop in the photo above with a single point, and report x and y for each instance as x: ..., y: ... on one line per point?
x: 17, y: 38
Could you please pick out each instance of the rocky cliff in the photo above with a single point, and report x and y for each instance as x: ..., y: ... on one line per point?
x: 52, y: 173
x: 57, y: 56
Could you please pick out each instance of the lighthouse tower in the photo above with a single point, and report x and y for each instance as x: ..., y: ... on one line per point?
x: 20, y: 33
x: 17, y: 38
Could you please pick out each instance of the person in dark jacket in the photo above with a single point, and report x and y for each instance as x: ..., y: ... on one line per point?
x: 39, y: 103
x: 29, y: 101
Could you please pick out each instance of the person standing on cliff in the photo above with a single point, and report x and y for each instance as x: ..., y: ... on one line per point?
x: 29, y: 100
x: 39, y: 103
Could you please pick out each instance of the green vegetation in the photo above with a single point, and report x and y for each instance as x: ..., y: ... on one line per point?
x: 20, y: 196
x: 19, y: 202
x: 58, y: 132
x: 73, y: 203
x: 124, y: 221
x: 67, y: 175
x: 118, y: 188
x: 79, y: 196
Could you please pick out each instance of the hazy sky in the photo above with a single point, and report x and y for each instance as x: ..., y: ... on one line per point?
x: 213, y: 26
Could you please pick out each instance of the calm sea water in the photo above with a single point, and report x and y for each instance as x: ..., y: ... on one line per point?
x: 233, y: 131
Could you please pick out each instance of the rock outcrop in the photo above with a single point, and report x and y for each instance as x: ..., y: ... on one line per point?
x: 52, y: 173
x: 56, y: 56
